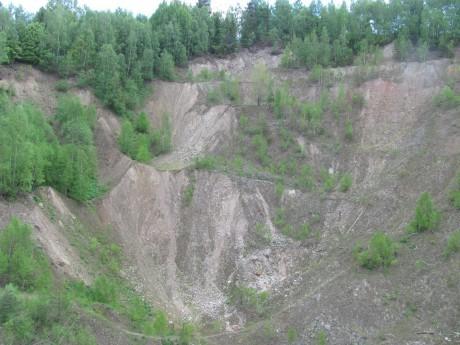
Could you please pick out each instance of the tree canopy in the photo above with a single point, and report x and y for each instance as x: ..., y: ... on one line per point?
x: 116, y: 52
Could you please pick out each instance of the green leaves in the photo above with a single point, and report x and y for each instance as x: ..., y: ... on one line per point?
x: 380, y: 252
x: 26, y: 146
x: 21, y: 263
x: 140, y: 142
x: 426, y: 217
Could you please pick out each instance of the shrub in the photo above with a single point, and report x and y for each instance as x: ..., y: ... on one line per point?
x: 9, y: 303
x: 300, y: 233
x: 321, y: 338
x: 426, y: 215
x: 453, y: 244
x: 357, y: 100
x: 280, y: 218
x: 231, y: 89
x: 127, y: 138
x: 143, y: 149
x: 186, y: 334
x: 329, y: 180
x: 62, y: 86
x: 142, y: 123
x: 305, y: 178
x: 447, y: 98
x: 205, y: 163
x: 160, y: 325
x: 250, y: 299
x: 214, y: 96
x: 261, y: 147
x: 345, y: 182
x: 381, y: 251
x: 21, y: 262
x: 104, y: 290
x: 188, y: 193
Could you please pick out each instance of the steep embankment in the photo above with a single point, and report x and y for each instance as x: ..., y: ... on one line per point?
x: 188, y: 256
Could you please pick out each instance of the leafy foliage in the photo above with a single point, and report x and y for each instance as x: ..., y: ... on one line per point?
x: 140, y: 141
x: 21, y: 263
x: 27, y: 144
x: 42, y: 312
x: 447, y: 98
x: 116, y: 52
x: 250, y: 299
x: 426, y: 217
x: 31, y: 154
x: 381, y: 252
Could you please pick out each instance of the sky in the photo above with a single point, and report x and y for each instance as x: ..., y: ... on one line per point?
x: 134, y: 6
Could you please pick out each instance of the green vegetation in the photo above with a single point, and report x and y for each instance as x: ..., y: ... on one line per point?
x: 62, y: 86
x: 345, y: 182
x: 205, y: 163
x: 263, y: 233
x: 75, y: 165
x: 250, y: 300
x: 187, y: 196
x: 454, y: 194
x: 299, y: 233
x: 321, y: 338
x: 140, y: 142
x: 207, y: 75
x: 381, y: 252
x: 214, y: 96
x: 447, y: 98
x: 36, y: 308
x: 329, y: 180
x: 32, y: 307
x: 291, y: 335
x: 262, y: 83
x: 21, y: 263
x: 426, y: 217
x: 453, y: 244
x: 228, y: 89
x: 32, y: 155
x: 117, y: 52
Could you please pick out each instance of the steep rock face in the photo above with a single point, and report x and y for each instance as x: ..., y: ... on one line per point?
x: 48, y: 218
x: 197, y: 128
x: 191, y: 255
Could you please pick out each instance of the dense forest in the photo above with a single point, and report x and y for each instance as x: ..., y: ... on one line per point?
x: 116, y: 52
